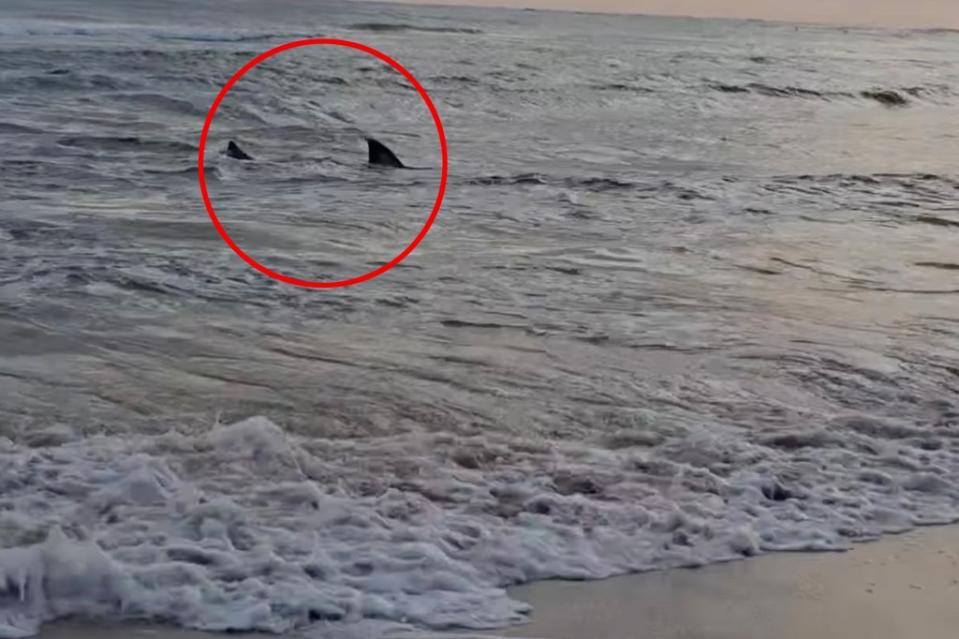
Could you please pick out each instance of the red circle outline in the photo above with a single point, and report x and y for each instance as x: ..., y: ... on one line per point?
x: 440, y: 194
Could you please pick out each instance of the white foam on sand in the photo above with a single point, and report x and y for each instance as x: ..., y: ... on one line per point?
x: 246, y: 527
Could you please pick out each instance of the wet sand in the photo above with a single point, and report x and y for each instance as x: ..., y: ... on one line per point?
x: 900, y: 587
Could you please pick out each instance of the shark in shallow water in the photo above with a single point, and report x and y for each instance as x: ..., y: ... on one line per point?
x: 379, y: 155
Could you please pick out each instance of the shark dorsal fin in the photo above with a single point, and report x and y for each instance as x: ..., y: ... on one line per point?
x: 234, y: 151
x: 382, y: 156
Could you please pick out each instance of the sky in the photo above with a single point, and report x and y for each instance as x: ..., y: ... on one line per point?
x: 891, y: 13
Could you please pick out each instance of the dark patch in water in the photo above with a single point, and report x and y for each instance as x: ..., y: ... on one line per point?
x: 948, y: 266
x: 26, y: 230
x: 845, y: 179
x: 332, y: 79
x: 566, y: 270
x: 618, y: 86
x: 457, y: 79
x: 496, y: 180
x: 136, y: 284
x: 937, y: 221
x: 886, y: 97
x: 912, y: 291
x: 915, y: 176
x: 591, y: 183
x: 388, y: 27
x: 259, y: 37
x: 798, y: 440
x: 189, y: 555
x: 758, y: 269
x: 599, y: 184
x: 775, y: 92
x: 465, y: 324
x: 729, y: 88
x: 786, y: 92
x: 776, y: 491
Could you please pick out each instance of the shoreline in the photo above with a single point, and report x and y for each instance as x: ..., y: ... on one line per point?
x: 897, y: 587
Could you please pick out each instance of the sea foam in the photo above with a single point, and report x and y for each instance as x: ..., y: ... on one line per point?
x: 246, y: 527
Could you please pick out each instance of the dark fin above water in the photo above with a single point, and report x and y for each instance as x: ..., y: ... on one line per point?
x: 236, y: 152
x: 382, y: 156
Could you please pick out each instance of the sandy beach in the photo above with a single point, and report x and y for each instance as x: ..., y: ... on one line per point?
x: 899, y: 587
x: 895, y: 588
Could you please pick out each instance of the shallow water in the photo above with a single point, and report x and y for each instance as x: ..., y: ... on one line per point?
x: 693, y: 295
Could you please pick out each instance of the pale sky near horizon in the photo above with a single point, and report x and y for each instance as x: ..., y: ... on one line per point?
x: 893, y: 13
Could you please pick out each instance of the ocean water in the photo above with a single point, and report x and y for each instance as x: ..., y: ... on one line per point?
x: 693, y: 295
